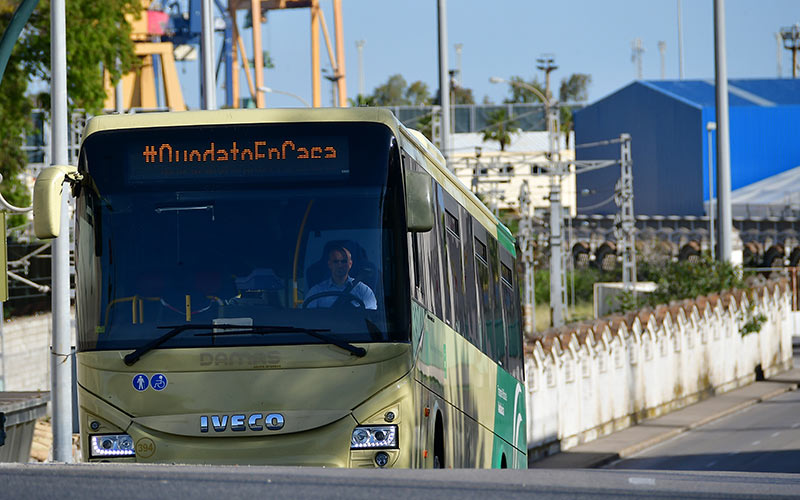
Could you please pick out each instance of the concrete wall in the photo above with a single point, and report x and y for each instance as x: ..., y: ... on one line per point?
x: 591, y: 379
x: 26, y: 353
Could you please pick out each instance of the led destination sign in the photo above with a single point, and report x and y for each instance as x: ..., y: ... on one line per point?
x: 217, y: 154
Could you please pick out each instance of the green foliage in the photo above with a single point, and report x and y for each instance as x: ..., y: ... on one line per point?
x: 391, y: 93
x: 15, y: 122
x: 685, y: 279
x: 583, y: 281
x: 462, y: 95
x: 754, y: 324
x: 575, y: 88
x: 499, y: 128
x: 98, y: 35
x: 417, y: 94
x: 520, y: 94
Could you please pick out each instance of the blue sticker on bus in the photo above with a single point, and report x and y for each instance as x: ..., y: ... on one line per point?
x: 140, y: 382
x: 158, y: 382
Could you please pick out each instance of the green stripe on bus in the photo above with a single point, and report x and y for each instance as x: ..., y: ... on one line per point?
x: 505, y: 239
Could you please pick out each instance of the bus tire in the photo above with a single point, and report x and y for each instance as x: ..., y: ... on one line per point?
x: 438, y: 443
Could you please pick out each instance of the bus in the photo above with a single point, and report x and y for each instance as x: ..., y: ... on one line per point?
x: 296, y: 287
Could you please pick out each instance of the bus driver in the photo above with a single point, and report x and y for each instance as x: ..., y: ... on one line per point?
x: 334, y: 290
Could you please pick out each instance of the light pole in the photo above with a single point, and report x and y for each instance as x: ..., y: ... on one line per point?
x: 274, y: 91
x: 557, y: 277
x: 710, y: 127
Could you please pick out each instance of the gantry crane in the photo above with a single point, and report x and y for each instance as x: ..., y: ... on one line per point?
x: 156, y: 30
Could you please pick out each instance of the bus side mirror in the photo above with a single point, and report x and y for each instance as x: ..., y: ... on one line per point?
x: 419, y: 202
x: 47, y: 200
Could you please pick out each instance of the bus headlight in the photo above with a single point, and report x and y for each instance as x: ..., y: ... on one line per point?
x: 374, y: 436
x: 112, y: 445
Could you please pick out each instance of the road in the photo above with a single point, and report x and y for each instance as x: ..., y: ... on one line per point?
x: 761, y: 438
x: 54, y: 481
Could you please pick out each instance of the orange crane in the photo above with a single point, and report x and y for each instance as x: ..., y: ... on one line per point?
x: 139, y: 87
x: 258, y: 10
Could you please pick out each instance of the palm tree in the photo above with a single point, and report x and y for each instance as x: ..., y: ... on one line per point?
x: 499, y: 128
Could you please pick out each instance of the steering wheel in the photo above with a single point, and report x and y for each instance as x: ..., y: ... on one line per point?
x: 347, y: 303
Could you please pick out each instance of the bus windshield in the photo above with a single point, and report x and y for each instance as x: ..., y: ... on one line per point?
x: 292, y: 240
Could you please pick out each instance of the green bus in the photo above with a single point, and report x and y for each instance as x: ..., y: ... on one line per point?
x: 293, y: 287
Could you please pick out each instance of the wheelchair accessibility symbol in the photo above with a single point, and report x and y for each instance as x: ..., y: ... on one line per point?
x: 158, y: 382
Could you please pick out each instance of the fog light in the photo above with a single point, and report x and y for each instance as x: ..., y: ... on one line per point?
x: 112, y: 445
x: 381, y: 459
x: 374, y: 436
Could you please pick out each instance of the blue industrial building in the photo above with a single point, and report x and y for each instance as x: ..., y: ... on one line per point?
x: 667, y: 122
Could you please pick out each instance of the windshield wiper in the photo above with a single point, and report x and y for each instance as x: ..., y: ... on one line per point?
x: 134, y: 356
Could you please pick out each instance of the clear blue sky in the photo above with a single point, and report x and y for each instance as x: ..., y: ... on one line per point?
x: 504, y: 38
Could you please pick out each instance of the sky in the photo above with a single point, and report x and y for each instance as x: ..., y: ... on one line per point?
x: 504, y: 38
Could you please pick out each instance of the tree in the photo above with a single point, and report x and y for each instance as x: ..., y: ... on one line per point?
x: 575, y: 88
x: 97, y: 34
x: 520, y: 94
x: 418, y: 94
x: 391, y: 93
x: 462, y: 95
x: 499, y: 128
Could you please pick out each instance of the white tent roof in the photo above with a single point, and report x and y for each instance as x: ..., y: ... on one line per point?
x: 776, y: 196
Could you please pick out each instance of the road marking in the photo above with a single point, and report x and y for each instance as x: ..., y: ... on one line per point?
x: 795, y: 426
x: 648, y: 481
x: 775, y: 434
x: 756, y: 443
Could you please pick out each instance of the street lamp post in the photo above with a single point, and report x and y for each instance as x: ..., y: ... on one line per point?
x: 710, y: 127
x: 557, y: 278
x: 274, y: 91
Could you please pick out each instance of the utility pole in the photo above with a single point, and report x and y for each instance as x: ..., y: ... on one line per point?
x: 558, y: 279
x: 636, y: 56
x: 60, y: 351
x: 444, y: 81
x: 680, y: 41
x: 723, y: 139
x: 526, y: 242
x: 360, y: 47
x: 791, y: 41
x: 778, y: 54
x: 625, y: 225
x: 547, y: 63
x: 662, y: 49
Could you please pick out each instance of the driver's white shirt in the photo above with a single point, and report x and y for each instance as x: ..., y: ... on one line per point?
x: 361, y: 291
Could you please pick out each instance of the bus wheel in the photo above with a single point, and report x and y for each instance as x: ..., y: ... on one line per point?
x: 438, y: 444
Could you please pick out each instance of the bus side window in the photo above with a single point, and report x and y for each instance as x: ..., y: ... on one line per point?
x: 484, y: 290
x: 497, y: 332
x: 441, y: 238
x: 511, y: 318
x: 454, y: 262
x: 471, y: 301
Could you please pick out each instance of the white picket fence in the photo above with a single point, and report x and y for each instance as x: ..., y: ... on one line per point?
x: 591, y: 379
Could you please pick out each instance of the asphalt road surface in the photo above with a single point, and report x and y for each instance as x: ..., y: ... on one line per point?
x: 117, y: 481
x: 761, y: 438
